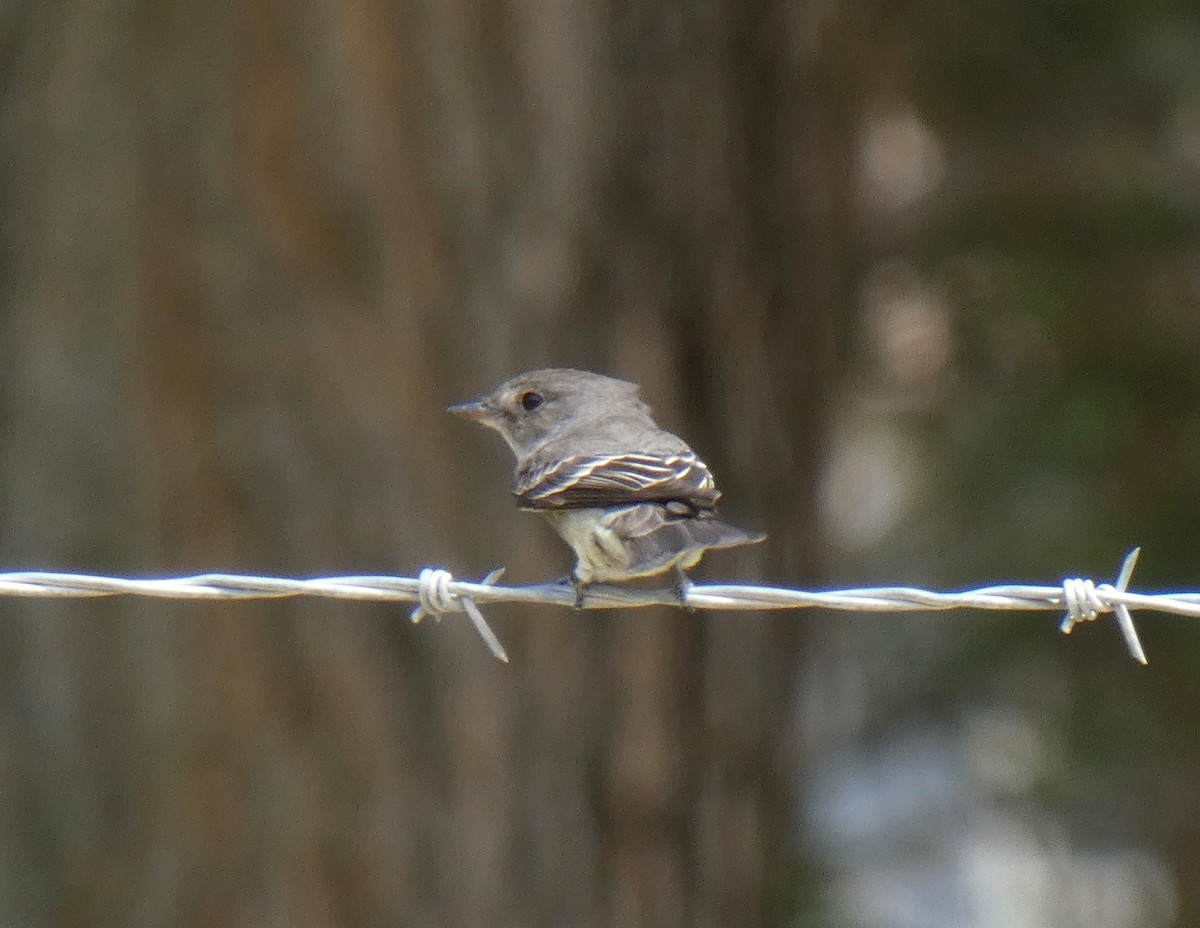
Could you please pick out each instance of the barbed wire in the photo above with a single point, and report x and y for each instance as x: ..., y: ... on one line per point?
x: 437, y: 593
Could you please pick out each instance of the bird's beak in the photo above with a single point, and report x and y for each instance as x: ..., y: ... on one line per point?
x: 476, y: 411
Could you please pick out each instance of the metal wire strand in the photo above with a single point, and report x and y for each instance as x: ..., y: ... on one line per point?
x: 437, y: 593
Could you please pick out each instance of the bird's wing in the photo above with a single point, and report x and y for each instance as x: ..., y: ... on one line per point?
x: 586, y: 480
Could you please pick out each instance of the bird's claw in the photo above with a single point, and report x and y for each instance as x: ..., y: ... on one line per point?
x: 680, y: 586
x: 578, y: 586
x: 580, y: 592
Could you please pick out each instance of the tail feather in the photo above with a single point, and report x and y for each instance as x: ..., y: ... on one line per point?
x: 713, y: 533
x: 656, y: 538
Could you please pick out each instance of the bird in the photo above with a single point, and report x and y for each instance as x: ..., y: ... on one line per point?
x: 631, y: 499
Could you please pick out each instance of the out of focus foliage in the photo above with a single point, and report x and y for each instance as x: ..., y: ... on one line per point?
x: 1026, y: 377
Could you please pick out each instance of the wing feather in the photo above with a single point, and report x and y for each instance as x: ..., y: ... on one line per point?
x: 586, y: 480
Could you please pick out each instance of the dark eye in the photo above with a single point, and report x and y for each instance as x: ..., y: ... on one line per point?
x: 531, y: 400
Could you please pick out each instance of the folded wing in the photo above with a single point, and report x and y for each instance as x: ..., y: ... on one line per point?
x: 588, y: 480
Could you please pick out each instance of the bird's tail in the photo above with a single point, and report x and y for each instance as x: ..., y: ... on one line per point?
x: 655, y: 539
x: 713, y: 533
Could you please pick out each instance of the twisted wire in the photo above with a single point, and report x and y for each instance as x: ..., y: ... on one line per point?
x: 437, y: 593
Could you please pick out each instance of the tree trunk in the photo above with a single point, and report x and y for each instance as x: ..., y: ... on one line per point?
x: 250, y: 254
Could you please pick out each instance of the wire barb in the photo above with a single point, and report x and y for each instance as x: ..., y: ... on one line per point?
x: 435, y: 598
x: 1124, y: 618
x: 1085, y: 602
x: 435, y: 592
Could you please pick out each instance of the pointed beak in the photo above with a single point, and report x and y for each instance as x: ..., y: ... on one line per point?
x: 476, y: 411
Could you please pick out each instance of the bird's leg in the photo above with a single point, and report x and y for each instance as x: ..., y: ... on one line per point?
x: 580, y: 592
x: 681, y: 585
x: 578, y: 586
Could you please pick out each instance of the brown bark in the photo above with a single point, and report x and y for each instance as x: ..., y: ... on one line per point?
x: 251, y: 253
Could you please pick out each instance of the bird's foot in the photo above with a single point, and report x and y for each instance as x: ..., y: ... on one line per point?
x: 578, y: 586
x: 680, y: 586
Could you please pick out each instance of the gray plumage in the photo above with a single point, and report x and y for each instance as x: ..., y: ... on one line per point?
x: 630, y: 498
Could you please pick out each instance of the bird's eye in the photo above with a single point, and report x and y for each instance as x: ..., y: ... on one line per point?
x: 531, y: 400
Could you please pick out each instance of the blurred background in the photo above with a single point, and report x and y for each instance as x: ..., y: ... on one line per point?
x: 920, y: 281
